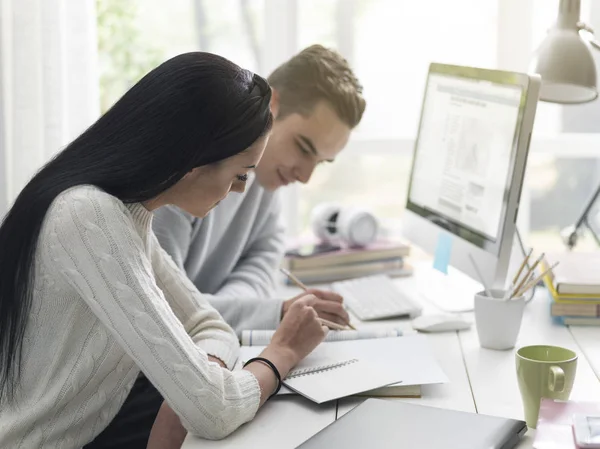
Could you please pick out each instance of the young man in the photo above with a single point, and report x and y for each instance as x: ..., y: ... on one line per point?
x: 234, y: 253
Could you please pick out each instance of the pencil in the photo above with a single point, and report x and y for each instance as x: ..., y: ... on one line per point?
x: 516, y: 278
x: 294, y: 279
x: 332, y: 325
x: 300, y: 284
x: 530, y: 284
x: 529, y: 273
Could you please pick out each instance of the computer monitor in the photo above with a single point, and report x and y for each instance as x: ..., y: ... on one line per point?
x: 469, y: 161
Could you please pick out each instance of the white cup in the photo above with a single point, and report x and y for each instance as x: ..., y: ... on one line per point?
x: 497, y: 320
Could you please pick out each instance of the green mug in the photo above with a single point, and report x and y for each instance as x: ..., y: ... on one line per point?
x: 544, y: 372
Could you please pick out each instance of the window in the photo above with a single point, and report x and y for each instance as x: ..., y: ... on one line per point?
x: 555, y: 180
x: 390, y: 44
x: 360, y: 177
x: 135, y: 36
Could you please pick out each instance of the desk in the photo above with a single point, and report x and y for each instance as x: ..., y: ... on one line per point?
x: 481, y: 380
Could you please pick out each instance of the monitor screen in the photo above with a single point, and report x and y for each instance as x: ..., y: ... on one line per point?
x: 464, y: 152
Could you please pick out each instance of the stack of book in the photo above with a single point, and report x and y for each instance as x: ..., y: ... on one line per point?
x: 574, y: 288
x: 382, y: 257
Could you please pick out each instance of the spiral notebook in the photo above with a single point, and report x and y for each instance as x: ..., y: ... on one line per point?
x: 326, y: 375
x: 347, y: 368
x: 329, y: 381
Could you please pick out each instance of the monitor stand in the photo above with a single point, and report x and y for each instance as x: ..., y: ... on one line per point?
x: 453, y: 292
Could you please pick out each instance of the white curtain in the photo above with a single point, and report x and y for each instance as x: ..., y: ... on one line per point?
x: 48, y: 84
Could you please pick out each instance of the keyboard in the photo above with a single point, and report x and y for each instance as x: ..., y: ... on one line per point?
x: 375, y: 298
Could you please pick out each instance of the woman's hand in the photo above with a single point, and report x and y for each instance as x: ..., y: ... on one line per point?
x: 300, y: 330
x: 298, y: 334
x: 329, y: 305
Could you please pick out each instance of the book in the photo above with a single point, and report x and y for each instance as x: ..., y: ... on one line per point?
x: 390, y: 391
x: 577, y: 320
x: 553, y: 430
x: 393, y: 268
x: 394, y: 391
x: 576, y: 274
x: 408, y: 359
x: 381, y: 250
x: 576, y: 310
x: 566, y: 298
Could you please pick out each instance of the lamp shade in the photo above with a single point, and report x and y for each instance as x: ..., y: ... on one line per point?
x: 564, y: 61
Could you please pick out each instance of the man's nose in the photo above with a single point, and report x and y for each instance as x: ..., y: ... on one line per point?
x: 303, y: 173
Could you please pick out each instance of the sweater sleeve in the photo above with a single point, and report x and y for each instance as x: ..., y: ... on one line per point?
x: 249, y: 313
x: 254, y: 274
x: 96, y: 249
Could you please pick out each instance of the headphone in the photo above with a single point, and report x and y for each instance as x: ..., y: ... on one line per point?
x: 353, y: 226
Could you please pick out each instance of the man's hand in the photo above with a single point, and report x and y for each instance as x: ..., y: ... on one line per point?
x: 329, y: 305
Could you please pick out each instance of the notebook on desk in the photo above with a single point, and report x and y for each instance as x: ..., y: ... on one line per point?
x: 407, y: 359
x: 382, y: 424
x: 322, y: 380
x: 330, y: 373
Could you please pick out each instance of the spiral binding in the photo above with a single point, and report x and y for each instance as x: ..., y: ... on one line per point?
x: 319, y: 369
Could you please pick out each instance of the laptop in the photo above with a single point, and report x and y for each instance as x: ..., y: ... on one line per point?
x: 379, y: 423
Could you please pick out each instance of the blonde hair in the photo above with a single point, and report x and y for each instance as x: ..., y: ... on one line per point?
x: 315, y: 74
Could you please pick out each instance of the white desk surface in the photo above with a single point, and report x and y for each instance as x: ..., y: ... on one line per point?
x: 481, y: 380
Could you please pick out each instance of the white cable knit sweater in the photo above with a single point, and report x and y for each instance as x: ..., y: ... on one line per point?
x: 108, y: 302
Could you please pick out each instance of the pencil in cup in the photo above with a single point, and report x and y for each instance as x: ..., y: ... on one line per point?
x: 520, y: 270
x: 299, y: 283
x: 530, y: 284
x: 528, y: 275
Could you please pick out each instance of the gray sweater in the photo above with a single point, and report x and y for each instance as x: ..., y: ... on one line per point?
x: 232, y: 254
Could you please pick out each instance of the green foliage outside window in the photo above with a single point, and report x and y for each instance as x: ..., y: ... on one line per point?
x: 124, y: 57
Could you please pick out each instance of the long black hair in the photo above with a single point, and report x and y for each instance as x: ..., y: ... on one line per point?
x: 193, y: 110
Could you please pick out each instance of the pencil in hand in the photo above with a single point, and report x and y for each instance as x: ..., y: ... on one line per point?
x: 332, y: 325
x: 300, y: 284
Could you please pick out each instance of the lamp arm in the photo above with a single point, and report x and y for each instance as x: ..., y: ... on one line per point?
x: 581, y: 26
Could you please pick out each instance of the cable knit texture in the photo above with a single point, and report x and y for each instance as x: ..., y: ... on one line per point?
x: 107, y: 303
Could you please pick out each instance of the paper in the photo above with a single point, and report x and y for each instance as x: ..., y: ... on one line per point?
x: 443, y: 251
x: 263, y: 337
x: 408, y: 359
x: 347, y: 380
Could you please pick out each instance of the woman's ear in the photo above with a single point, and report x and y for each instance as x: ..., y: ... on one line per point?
x: 274, y: 102
x: 203, y: 169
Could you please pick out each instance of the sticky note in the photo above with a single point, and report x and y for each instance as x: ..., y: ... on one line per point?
x: 443, y: 252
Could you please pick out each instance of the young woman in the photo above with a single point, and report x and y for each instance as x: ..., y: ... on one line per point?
x: 88, y: 299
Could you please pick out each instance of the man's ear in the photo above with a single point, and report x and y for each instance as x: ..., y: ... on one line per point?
x: 274, y: 102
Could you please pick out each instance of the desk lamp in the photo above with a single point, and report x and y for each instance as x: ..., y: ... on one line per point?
x: 564, y: 61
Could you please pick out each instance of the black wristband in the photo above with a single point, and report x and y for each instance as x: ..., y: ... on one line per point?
x: 270, y: 365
